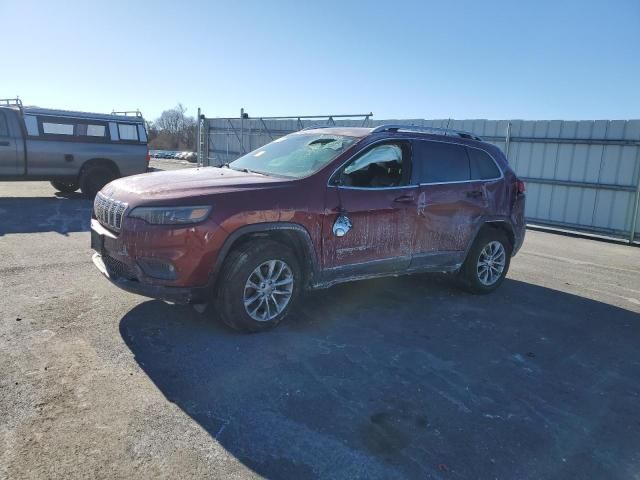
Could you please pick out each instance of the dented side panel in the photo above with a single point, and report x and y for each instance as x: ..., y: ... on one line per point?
x: 382, y: 227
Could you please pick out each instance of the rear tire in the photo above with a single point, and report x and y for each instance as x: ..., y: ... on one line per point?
x: 93, y: 178
x: 273, y: 269
x: 487, y: 263
x: 64, y: 187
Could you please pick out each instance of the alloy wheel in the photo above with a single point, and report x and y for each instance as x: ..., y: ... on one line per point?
x: 491, y: 263
x: 268, y: 290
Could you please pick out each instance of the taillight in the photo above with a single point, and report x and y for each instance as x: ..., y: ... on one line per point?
x: 148, y: 158
x: 520, y: 188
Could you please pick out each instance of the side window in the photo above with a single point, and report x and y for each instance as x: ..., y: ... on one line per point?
x: 90, y: 130
x: 482, y: 165
x: 441, y: 162
x: 50, y: 127
x: 31, y: 123
x: 127, y: 131
x: 4, y: 128
x: 381, y: 166
x: 142, y: 133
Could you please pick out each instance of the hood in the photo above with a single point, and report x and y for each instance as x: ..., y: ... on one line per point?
x: 188, y: 182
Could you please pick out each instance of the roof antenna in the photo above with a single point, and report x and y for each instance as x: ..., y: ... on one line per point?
x: 447, y: 127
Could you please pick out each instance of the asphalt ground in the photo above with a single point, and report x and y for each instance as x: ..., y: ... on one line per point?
x: 405, y: 377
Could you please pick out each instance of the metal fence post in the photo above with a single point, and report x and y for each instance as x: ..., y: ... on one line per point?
x: 507, y: 140
x: 636, y: 205
x: 199, y: 140
x: 242, y: 129
x: 205, y: 141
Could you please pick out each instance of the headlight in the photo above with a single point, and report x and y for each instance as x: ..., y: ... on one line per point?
x: 171, y: 215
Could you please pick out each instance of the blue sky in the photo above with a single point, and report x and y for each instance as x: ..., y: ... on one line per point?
x: 400, y: 59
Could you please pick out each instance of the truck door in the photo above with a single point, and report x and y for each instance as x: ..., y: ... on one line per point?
x: 8, y: 147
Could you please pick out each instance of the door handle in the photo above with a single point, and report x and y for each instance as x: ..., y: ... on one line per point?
x: 404, y: 199
x: 4, y: 144
x: 68, y: 157
x: 475, y: 194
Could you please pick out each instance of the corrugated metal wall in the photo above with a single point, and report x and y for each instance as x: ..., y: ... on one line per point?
x: 582, y: 175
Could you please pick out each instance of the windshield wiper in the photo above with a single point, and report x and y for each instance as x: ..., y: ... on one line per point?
x: 246, y: 170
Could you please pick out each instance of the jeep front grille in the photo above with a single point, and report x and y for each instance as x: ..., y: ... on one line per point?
x: 109, y: 212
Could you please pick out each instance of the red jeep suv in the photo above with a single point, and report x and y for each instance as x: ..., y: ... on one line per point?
x: 309, y: 210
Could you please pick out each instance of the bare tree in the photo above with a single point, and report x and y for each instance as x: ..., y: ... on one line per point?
x: 174, y: 130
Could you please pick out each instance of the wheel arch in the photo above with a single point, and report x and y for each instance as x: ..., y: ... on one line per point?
x: 294, y: 235
x: 99, y: 162
x: 496, y: 224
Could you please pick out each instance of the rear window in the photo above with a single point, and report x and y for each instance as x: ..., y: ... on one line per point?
x: 4, y: 128
x: 482, y: 165
x: 441, y: 162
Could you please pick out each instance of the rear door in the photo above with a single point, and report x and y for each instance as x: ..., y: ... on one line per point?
x: 451, y: 202
x: 8, y: 146
x: 377, y: 197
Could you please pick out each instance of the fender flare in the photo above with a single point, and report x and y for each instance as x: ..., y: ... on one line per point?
x: 308, y: 255
x: 481, y: 224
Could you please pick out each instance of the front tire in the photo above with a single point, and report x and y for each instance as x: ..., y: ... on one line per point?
x: 487, y: 263
x: 64, y: 187
x: 94, y: 178
x: 258, y: 285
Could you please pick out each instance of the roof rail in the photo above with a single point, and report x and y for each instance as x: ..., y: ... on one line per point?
x: 314, y: 127
x: 436, y: 130
x: 126, y: 113
x: 13, y: 102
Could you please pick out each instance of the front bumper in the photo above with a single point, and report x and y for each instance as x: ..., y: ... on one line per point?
x: 160, y: 292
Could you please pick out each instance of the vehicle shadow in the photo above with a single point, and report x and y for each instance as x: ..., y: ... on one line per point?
x: 409, y: 378
x: 64, y: 213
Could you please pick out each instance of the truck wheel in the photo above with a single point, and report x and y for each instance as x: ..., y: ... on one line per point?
x: 64, y: 187
x: 258, y: 285
x: 94, y: 178
x: 487, y: 263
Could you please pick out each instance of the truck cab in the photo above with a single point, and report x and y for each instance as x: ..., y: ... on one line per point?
x: 70, y: 149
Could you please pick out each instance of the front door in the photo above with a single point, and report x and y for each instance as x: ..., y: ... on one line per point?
x: 8, y: 149
x: 373, y: 195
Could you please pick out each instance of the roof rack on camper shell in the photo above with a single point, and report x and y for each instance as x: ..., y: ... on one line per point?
x: 11, y: 102
x: 435, y: 130
x: 126, y: 113
x: 74, y: 114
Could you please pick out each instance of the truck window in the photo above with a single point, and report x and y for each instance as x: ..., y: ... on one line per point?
x: 31, y: 123
x: 127, y: 131
x: 113, y: 131
x: 90, y: 130
x: 142, y: 133
x: 52, y: 128
x: 4, y: 128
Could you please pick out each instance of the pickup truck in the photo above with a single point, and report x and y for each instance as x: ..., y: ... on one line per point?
x: 70, y: 149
